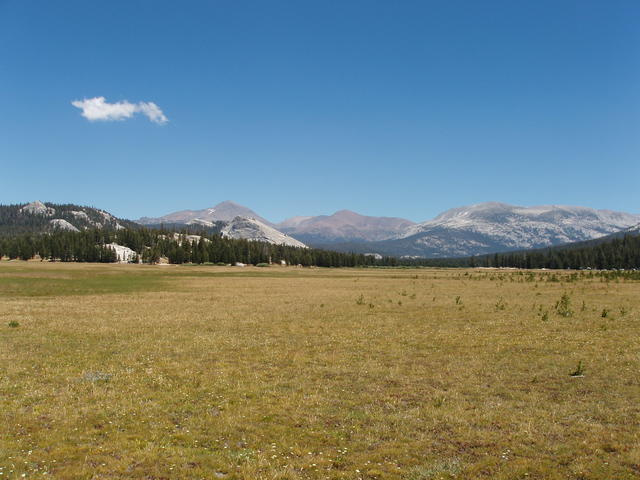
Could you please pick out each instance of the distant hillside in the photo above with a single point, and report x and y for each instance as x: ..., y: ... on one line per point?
x: 342, y: 226
x: 39, y: 217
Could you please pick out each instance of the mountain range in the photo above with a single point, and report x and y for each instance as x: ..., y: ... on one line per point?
x: 497, y: 227
x: 471, y: 230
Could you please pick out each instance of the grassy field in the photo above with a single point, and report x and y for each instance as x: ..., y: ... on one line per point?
x: 143, y: 372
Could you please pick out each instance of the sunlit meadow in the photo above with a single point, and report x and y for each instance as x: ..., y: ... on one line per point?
x: 163, y: 372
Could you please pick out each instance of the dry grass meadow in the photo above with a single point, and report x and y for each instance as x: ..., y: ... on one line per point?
x: 143, y: 372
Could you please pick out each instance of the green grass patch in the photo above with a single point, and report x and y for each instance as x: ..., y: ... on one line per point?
x: 33, y: 286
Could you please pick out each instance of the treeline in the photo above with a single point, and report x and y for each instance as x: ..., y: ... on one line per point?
x: 617, y: 253
x: 85, y: 246
x: 600, y: 254
x: 178, y: 247
x: 184, y: 247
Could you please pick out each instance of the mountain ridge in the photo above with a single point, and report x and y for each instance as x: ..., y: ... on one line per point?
x: 476, y: 229
x: 223, y: 211
x: 344, y: 225
x: 496, y: 227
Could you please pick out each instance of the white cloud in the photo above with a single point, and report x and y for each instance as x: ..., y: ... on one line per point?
x: 98, y: 108
x: 152, y: 111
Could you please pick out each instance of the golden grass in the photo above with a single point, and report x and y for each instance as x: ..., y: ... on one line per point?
x: 119, y: 371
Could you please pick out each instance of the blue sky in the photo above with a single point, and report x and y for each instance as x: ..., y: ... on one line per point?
x: 303, y: 108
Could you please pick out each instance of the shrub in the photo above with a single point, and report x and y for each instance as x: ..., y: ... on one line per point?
x: 579, y: 371
x: 563, y: 306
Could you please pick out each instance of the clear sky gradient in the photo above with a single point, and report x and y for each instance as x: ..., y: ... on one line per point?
x: 303, y: 108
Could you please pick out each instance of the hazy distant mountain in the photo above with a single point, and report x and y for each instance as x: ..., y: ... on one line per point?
x: 497, y: 227
x: 343, y: 226
x: 39, y: 217
x: 225, y: 211
x: 254, y: 230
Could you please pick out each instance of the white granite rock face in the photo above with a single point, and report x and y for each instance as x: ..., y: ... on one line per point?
x: 254, y: 230
x: 37, y: 208
x: 60, y: 224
